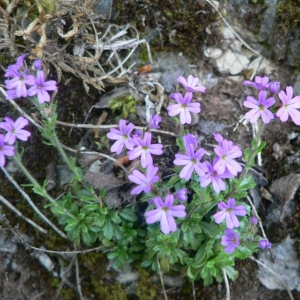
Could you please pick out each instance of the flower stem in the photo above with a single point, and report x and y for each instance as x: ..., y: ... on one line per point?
x: 249, y: 163
x: 38, y: 187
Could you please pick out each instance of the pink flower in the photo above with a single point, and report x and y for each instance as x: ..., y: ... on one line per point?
x: 191, y: 162
x: 259, y: 108
x: 15, y: 130
x: 5, y: 150
x: 165, y: 212
x: 19, y: 82
x: 214, y: 178
x: 40, y: 87
x: 184, y: 107
x: 289, y: 107
x: 144, y: 181
x: 229, y: 212
x: 121, y: 136
x: 261, y: 83
x: 230, y: 239
x: 144, y: 149
x: 227, y: 152
x: 191, y: 84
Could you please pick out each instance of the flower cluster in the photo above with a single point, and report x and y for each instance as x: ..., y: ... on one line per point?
x: 23, y: 84
x: 264, y: 106
x: 184, y: 105
x: 14, y: 130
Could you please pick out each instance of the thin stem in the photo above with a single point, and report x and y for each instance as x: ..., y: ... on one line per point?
x: 161, y: 279
x: 91, y: 126
x: 17, y: 159
x: 274, y: 273
x: 248, y: 163
x: 43, y: 217
x: 18, y: 213
x: 226, y: 284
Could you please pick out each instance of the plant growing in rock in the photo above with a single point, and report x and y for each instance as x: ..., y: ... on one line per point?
x: 197, y: 221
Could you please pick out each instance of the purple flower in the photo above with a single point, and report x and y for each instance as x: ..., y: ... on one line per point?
x: 165, y: 213
x: 121, y: 136
x: 226, y: 152
x: 229, y: 212
x: 259, y: 108
x: 154, y: 121
x: 213, y: 177
x: 289, y: 107
x: 261, y: 83
x: 12, y: 69
x: 181, y: 194
x: 144, y: 181
x: 37, y: 64
x: 191, y: 84
x: 19, y: 82
x: 190, y: 139
x: 145, y: 149
x: 184, y: 107
x: 264, y: 244
x: 230, y: 240
x: 11, y: 94
x: 274, y: 87
x: 40, y: 87
x: 253, y: 220
x: 15, y: 130
x: 5, y: 150
x: 191, y: 162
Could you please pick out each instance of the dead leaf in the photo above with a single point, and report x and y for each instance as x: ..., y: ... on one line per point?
x: 101, y: 180
x: 285, y: 188
x: 51, y: 176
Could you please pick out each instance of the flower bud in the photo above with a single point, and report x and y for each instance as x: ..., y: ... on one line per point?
x: 264, y: 244
x: 253, y: 220
x: 274, y: 87
x: 38, y: 64
x: 154, y: 121
x: 181, y: 194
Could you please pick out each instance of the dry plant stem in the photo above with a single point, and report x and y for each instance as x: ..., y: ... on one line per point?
x: 275, y: 274
x: 78, y: 281
x: 194, y: 291
x: 16, y: 185
x: 23, y: 113
x: 63, y: 278
x: 226, y: 284
x: 65, y: 252
x: 18, y: 213
x: 161, y: 279
x: 91, y: 126
x: 256, y: 215
x: 232, y: 30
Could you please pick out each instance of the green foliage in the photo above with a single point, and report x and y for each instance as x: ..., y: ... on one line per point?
x: 123, y: 106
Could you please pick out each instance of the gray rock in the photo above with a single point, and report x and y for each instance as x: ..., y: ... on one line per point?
x: 286, y: 266
x: 267, y: 23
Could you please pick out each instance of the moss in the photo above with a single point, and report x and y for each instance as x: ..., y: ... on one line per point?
x: 145, y: 289
x: 171, y: 24
x: 288, y: 13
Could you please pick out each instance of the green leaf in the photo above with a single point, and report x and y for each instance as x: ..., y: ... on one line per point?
x: 108, y: 229
x: 128, y: 214
x: 247, y: 183
x: 260, y: 147
x: 247, y: 155
x: 164, y: 264
x: 175, y: 178
x: 232, y: 273
x: 210, y: 229
x: 180, y: 143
